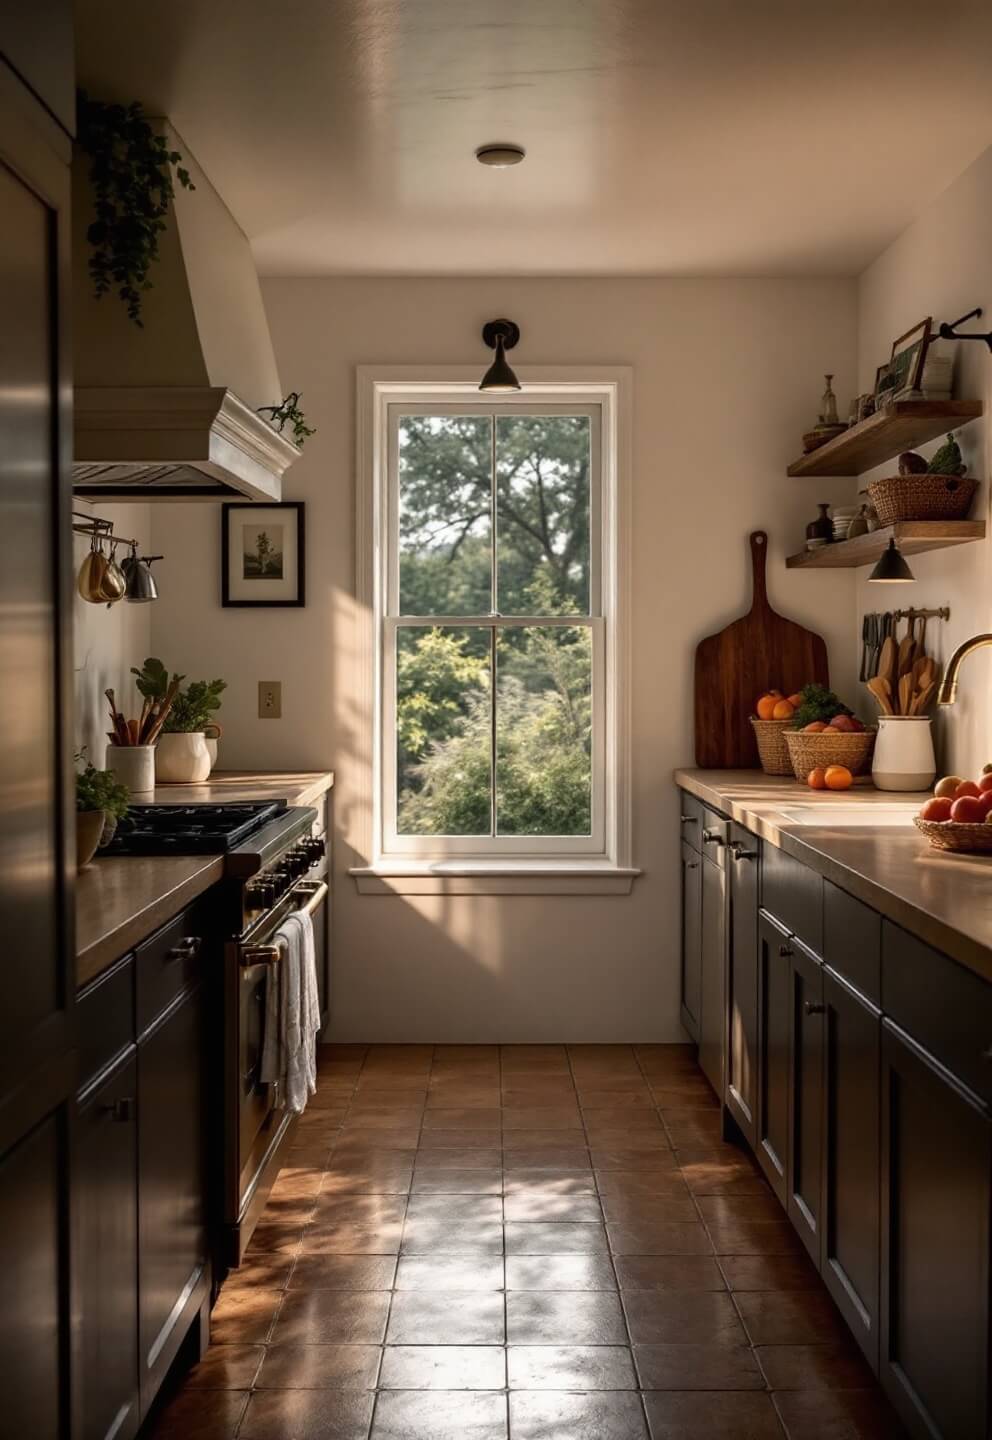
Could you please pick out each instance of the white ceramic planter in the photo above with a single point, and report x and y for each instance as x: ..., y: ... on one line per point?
x: 182, y: 759
x: 134, y: 766
x: 904, y: 758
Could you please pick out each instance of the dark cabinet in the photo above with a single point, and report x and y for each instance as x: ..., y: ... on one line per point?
x: 806, y: 1096
x: 107, y: 1210
x: 742, y: 980
x: 849, y: 1219
x: 774, y: 1008
x: 936, y: 1211
x: 713, y: 956
x: 692, y: 939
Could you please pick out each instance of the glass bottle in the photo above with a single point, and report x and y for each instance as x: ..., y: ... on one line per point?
x: 822, y: 528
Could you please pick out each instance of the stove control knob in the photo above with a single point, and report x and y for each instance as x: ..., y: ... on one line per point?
x: 254, y: 895
x: 299, y: 861
x: 315, y: 848
x: 281, y: 881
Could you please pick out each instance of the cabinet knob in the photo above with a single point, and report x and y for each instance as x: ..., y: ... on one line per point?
x: 739, y: 853
x: 188, y: 947
x: 120, y: 1111
x: 712, y: 837
x: 785, y: 951
x: 694, y: 865
x: 812, y: 1008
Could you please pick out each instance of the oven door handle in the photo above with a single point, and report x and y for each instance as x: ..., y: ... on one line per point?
x: 316, y: 893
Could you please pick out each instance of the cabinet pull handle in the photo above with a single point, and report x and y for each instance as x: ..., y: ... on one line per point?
x: 712, y: 837
x: 739, y: 853
x: 813, y: 1009
x: 689, y: 819
x: 120, y: 1111
x: 785, y: 951
x: 694, y: 865
x: 187, y: 949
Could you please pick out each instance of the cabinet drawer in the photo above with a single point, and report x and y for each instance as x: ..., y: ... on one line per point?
x: 793, y: 893
x: 166, y: 964
x: 852, y: 941
x: 105, y: 1010
x: 943, y: 1006
x: 691, y: 819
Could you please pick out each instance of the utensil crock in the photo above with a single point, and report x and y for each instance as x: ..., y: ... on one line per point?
x: 134, y: 766
x: 904, y: 758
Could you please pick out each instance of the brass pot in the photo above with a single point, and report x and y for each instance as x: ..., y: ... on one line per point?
x: 91, y: 576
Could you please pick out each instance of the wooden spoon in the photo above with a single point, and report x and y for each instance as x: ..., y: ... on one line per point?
x: 922, y: 700
x: 905, y: 693
x: 880, y: 690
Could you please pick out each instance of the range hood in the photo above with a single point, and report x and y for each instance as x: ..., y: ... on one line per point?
x: 168, y: 411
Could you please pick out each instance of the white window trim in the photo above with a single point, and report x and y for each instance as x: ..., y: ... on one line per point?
x: 608, y: 869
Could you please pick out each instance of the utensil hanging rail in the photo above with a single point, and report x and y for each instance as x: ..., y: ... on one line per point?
x: 943, y: 613
x: 96, y: 528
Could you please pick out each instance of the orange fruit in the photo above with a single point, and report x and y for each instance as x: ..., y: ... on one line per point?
x: 816, y: 779
x: 815, y: 727
x: 795, y: 700
x: 838, y: 777
x: 766, y: 706
x: 783, y: 710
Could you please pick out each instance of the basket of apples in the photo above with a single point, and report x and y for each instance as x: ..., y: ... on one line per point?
x: 959, y: 814
x: 827, y: 735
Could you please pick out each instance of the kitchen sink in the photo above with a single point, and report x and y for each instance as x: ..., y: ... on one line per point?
x: 842, y: 816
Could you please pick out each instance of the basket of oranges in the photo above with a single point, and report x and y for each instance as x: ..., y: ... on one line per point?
x: 775, y: 714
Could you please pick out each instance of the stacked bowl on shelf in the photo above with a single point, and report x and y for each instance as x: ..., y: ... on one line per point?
x: 842, y: 517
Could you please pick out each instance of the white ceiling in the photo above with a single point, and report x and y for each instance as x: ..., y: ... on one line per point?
x: 759, y: 137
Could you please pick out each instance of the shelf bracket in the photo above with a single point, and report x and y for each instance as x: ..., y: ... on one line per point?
x: 949, y: 332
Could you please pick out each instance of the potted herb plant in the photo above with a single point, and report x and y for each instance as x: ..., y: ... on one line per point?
x: 101, y: 800
x: 185, y: 756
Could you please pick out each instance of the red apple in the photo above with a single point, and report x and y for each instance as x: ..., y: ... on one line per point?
x: 968, y: 810
x: 966, y: 788
x: 985, y: 783
x: 842, y: 722
x: 937, y: 809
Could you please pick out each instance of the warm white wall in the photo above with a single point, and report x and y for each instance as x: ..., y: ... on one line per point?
x: 726, y: 375
x: 942, y: 266
x: 106, y: 643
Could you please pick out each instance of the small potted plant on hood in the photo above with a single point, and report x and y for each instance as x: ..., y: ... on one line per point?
x: 184, y: 749
x: 101, y: 800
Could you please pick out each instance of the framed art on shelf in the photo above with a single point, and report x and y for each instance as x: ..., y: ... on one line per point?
x: 263, y: 554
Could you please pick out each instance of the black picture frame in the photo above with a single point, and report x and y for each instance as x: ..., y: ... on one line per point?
x: 228, y: 512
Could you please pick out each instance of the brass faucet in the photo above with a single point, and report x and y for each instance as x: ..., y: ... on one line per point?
x: 948, y: 692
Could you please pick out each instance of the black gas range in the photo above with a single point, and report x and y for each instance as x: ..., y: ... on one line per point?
x: 190, y: 829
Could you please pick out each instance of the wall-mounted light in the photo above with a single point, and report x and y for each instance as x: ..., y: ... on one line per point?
x: 892, y: 568
x: 500, y: 335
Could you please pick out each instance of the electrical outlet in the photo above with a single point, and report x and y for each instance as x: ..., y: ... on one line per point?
x: 270, y: 699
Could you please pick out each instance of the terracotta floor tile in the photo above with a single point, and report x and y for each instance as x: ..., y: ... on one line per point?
x: 435, y: 1317
x: 552, y: 1090
x: 343, y: 1272
x: 564, y: 1415
x: 307, y: 1415
x: 373, y: 1179
x: 343, y: 1239
x: 523, y: 1180
x: 260, y: 1272
x: 720, y: 1415
x: 666, y: 1180
x: 468, y: 1118
x: 368, y: 1119
x: 659, y: 1238
x: 296, y: 1181
x: 815, y: 1367
x: 683, y: 1274
x: 837, y: 1415
x: 638, y: 1097
x: 643, y: 1209
x: 449, y: 1272
x: 543, y: 1141
x: 524, y: 1237
x: 790, y: 1317
x: 200, y: 1415
x: 560, y: 1272
x: 627, y: 1157
x: 319, y: 1367
x: 475, y: 1157
x: 443, y: 1367
x: 226, y: 1367
x: 542, y: 1117
x: 457, y: 1139
x: 753, y: 1237
x: 358, y: 1137
x: 455, y: 1208
x: 459, y: 1096
x: 436, y: 1236
x: 637, y: 1139
x: 332, y: 1317
x: 558, y: 1157
x: 547, y: 1205
x: 275, y: 1239
x: 723, y: 1209
x: 692, y: 1126
x: 620, y: 1118
x: 697, y: 1367
x: 442, y: 1180
x: 543, y: 1317
x: 769, y: 1272
x: 439, y: 1415
x: 368, y: 1211
x: 678, y: 1317
x: 244, y: 1316
x: 570, y: 1367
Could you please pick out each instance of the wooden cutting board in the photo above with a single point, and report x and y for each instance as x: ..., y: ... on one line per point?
x: 759, y: 652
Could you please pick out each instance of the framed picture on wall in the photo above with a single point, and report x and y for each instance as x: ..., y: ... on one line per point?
x: 263, y: 554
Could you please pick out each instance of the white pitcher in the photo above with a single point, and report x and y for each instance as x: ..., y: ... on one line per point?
x: 904, y: 758
x: 182, y: 758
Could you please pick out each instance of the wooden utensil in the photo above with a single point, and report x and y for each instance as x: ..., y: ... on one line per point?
x: 887, y: 661
x: 742, y: 661
x: 922, y: 700
x: 878, y: 688
x: 905, y: 693
x: 907, y: 652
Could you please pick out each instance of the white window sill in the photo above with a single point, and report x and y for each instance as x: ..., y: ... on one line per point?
x: 467, y: 877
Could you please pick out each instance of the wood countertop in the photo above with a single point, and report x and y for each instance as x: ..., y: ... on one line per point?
x: 944, y: 899
x: 122, y: 899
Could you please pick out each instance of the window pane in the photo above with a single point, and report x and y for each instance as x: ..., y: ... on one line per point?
x: 444, y: 731
x: 544, y: 731
x: 445, y: 541
x: 542, y: 514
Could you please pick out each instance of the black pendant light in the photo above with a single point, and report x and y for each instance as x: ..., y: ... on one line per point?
x: 500, y: 335
x: 892, y: 568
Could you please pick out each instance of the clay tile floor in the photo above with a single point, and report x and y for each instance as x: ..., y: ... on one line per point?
x: 525, y: 1242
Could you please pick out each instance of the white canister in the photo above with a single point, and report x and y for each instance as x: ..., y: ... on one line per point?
x: 134, y: 766
x: 904, y: 758
x: 212, y: 735
x: 182, y: 758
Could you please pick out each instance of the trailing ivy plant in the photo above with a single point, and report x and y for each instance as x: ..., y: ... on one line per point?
x: 289, y: 413
x: 131, y: 175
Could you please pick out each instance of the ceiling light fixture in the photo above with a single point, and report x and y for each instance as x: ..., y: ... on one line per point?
x: 500, y: 157
x: 500, y: 335
x: 892, y: 568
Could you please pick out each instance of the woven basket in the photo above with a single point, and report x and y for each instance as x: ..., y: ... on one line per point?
x: 949, y: 835
x: 772, y: 749
x: 826, y: 747
x: 922, y: 497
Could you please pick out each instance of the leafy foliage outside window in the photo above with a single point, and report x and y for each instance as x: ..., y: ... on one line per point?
x: 131, y: 174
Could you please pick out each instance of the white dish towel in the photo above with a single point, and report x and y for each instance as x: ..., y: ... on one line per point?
x: 292, y: 1015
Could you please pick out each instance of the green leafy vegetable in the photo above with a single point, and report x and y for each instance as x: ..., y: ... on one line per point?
x: 100, y: 790
x: 818, y: 703
x: 194, y: 706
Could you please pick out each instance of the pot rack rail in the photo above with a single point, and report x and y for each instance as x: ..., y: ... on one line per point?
x: 99, y: 529
x: 943, y: 613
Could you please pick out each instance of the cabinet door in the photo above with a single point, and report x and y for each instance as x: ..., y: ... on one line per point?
x: 849, y: 1255
x: 742, y: 981
x: 172, y: 1183
x: 712, y: 1019
x: 774, y: 998
x: 692, y: 940
x: 106, y: 1157
x: 806, y: 1099
x: 936, y: 1164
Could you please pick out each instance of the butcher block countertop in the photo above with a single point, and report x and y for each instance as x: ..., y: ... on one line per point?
x: 121, y: 900
x: 944, y: 899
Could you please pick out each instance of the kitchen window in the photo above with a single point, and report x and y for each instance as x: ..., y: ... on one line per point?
x: 495, y: 534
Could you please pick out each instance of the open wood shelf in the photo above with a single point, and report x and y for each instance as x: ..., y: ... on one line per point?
x: 900, y: 426
x: 912, y: 537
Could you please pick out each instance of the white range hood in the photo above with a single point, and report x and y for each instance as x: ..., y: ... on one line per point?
x: 168, y: 411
